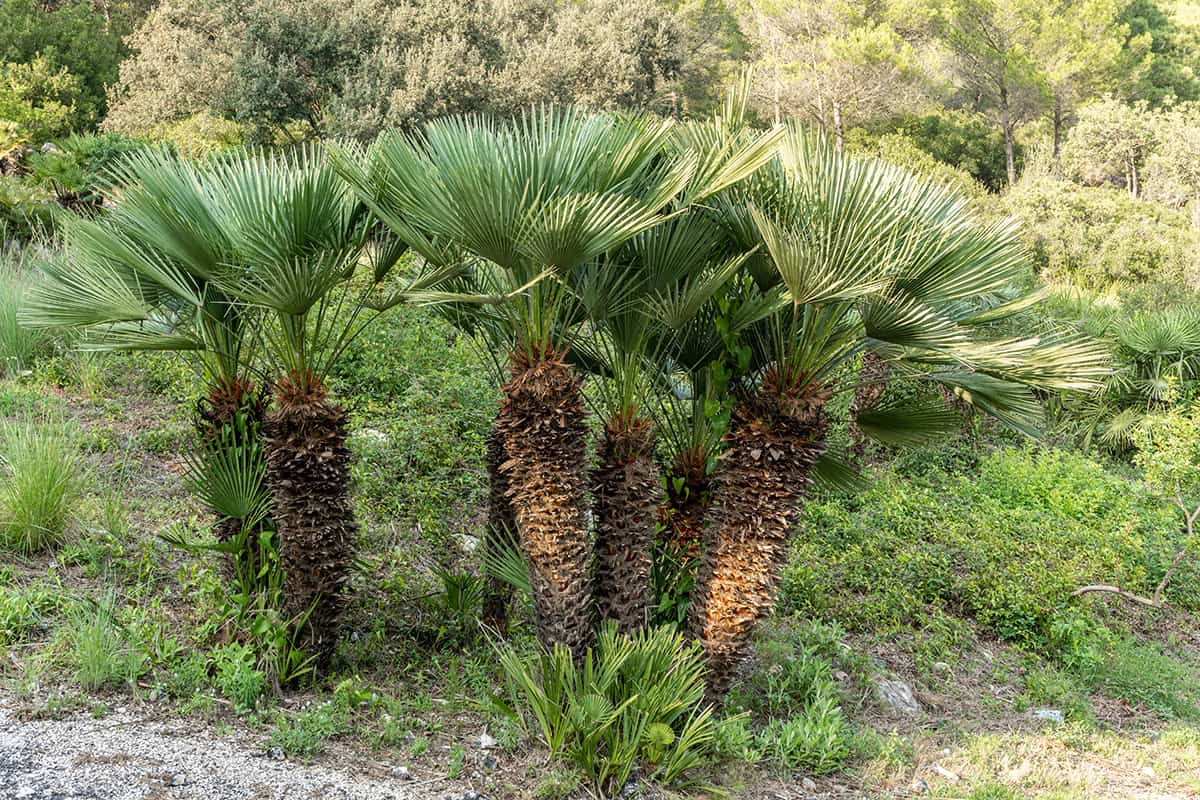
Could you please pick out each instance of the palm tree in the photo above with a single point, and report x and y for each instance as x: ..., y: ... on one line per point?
x: 529, y: 204
x: 299, y: 237
x: 145, y: 277
x: 858, y: 256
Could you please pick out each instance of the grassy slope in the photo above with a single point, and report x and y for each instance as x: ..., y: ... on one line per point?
x: 414, y: 683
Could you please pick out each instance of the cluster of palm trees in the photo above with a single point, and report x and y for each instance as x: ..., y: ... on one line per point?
x: 706, y: 289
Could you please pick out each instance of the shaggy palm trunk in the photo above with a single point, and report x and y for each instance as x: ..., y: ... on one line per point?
x: 627, y: 489
x: 872, y: 383
x: 686, y: 503
x: 308, y: 469
x: 543, y: 425
x: 500, y: 532
x: 214, y: 421
x: 775, y: 438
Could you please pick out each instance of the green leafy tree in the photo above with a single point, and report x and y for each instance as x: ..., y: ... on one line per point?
x: 837, y: 64
x: 73, y: 36
x: 1111, y: 142
x: 1159, y: 56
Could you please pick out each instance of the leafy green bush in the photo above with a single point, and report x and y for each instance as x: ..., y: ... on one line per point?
x: 1094, y: 236
x: 41, y: 483
x: 203, y: 135
x: 21, y: 611
x: 1006, y: 546
x: 237, y: 677
x: 631, y: 702
x: 960, y: 139
x: 900, y: 149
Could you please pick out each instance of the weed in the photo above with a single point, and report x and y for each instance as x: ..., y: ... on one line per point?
x: 101, y: 653
x: 458, y: 758
x: 304, y: 734
x: 236, y: 677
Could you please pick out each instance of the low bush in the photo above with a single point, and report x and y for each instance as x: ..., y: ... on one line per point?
x: 1094, y: 236
x: 631, y: 703
x: 1005, y: 546
x: 27, y: 213
x: 40, y: 485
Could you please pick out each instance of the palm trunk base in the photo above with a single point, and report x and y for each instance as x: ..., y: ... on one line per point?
x: 308, y: 468
x: 543, y: 425
x: 627, y: 489
x: 773, y: 442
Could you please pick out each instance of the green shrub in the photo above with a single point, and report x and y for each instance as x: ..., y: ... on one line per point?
x: 23, y: 610
x: 631, y: 702
x: 27, y: 213
x: 203, y: 135
x: 39, y: 488
x: 1094, y: 236
x: 1005, y: 546
x: 817, y: 740
x: 422, y: 404
x: 1144, y: 675
x: 237, y: 678
x: 81, y: 170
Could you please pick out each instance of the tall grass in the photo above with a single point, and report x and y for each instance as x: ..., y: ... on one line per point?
x: 40, y: 483
x: 19, y: 345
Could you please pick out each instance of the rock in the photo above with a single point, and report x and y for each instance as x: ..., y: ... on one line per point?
x: 470, y: 795
x: 1049, y: 714
x: 401, y: 773
x: 840, y: 675
x: 50, y: 147
x: 23, y: 792
x: 468, y: 543
x: 1148, y: 772
x: 487, y: 742
x: 490, y: 762
x: 179, y: 779
x: 941, y: 667
x: 276, y: 753
x: 945, y: 773
x: 808, y: 785
x: 897, y: 696
x: 919, y: 787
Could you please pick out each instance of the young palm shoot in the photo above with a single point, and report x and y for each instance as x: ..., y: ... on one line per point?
x: 861, y: 256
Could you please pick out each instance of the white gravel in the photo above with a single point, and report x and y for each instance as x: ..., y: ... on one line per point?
x: 121, y: 757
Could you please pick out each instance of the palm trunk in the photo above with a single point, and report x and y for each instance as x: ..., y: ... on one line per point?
x: 872, y: 383
x: 308, y: 469
x: 627, y: 488
x: 543, y: 425
x: 501, y: 531
x: 774, y: 440
x: 214, y: 421
x: 686, y: 503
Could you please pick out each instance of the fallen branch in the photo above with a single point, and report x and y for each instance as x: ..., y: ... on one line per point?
x: 1117, y: 590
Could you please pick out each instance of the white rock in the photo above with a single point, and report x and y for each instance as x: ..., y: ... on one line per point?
x: 945, y: 773
x: 898, y: 696
x: 808, y: 784
x: 487, y: 742
x: 1049, y: 714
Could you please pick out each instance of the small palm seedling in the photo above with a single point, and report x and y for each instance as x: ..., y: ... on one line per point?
x: 632, y: 703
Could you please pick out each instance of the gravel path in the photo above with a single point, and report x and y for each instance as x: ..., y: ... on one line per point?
x: 121, y: 757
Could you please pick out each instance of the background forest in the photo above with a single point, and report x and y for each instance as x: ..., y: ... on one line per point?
x: 1009, y: 609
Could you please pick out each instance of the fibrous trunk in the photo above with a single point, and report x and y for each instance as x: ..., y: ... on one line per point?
x: 543, y: 426
x: 218, y: 426
x: 872, y: 383
x: 627, y: 489
x: 308, y: 469
x: 501, y: 532
x: 775, y: 438
x: 685, y: 504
